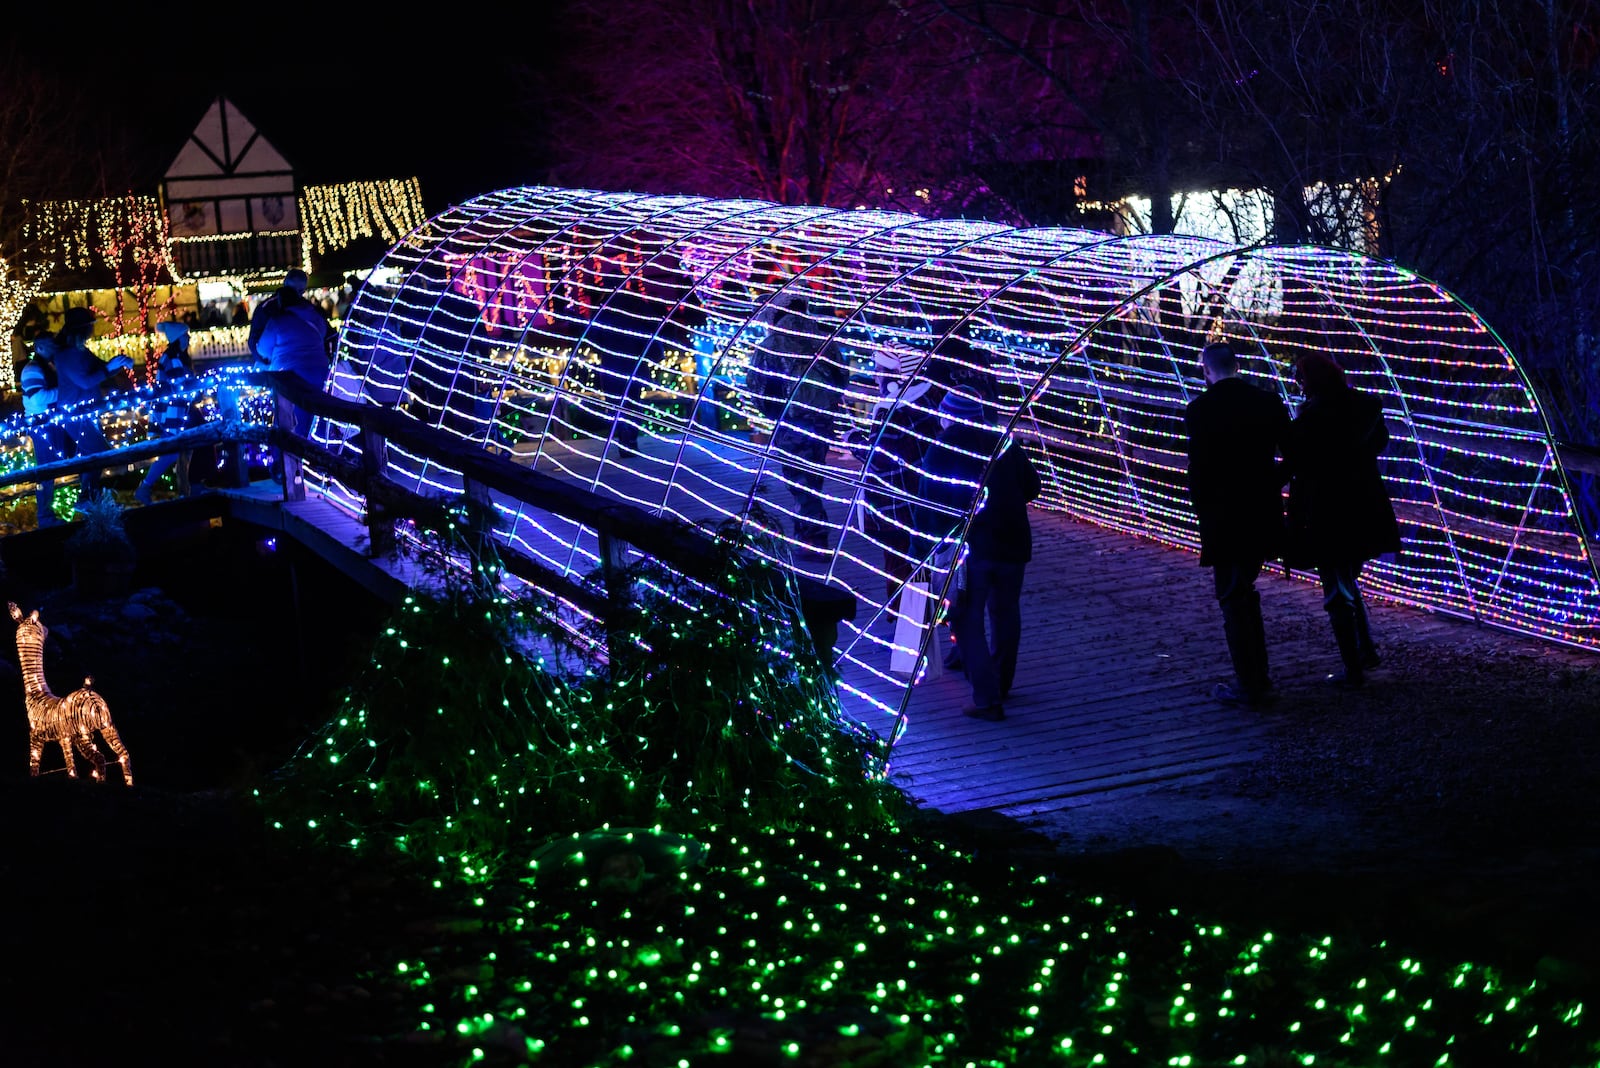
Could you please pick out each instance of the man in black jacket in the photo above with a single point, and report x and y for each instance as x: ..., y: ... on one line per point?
x: 1236, y: 434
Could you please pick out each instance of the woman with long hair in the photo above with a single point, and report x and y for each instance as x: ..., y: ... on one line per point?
x: 1339, y: 511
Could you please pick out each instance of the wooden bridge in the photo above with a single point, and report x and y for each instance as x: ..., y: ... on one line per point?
x: 1122, y: 640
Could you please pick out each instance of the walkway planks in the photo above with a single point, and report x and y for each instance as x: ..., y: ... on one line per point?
x: 1122, y: 644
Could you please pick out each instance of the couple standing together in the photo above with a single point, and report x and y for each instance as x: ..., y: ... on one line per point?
x: 1243, y: 449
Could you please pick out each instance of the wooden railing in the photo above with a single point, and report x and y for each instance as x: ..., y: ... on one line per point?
x: 680, y: 546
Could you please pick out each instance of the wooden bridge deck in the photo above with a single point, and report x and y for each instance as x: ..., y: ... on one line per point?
x: 1122, y: 643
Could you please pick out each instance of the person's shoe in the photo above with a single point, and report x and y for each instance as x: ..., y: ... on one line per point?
x: 1228, y: 693
x: 1370, y: 659
x: 144, y: 495
x: 1344, y: 680
x: 988, y: 713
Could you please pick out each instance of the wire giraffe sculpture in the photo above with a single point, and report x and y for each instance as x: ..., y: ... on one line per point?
x: 71, y: 720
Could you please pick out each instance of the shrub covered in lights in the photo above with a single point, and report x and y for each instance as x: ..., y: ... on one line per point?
x: 470, y: 732
x: 679, y: 861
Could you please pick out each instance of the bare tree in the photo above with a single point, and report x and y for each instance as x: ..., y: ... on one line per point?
x: 1454, y: 134
x: 841, y: 102
x: 52, y: 148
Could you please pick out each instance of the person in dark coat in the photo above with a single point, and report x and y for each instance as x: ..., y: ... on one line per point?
x: 801, y: 390
x: 999, y: 542
x: 289, y: 333
x: 904, y: 421
x: 83, y: 379
x: 172, y: 415
x: 1340, y: 515
x: 625, y: 333
x: 1236, y: 434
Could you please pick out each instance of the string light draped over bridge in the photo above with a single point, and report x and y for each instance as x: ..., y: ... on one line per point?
x: 609, y: 338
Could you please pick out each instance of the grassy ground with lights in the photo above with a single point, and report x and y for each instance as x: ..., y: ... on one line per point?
x: 491, y: 853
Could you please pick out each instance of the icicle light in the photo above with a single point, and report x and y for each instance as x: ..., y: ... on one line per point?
x: 336, y: 215
x: 494, y: 331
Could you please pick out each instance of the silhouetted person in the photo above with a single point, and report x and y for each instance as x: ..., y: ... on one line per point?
x: 1340, y: 513
x: 173, y: 366
x: 289, y: 333
x: 38, y: 382
x: 988, y: 620
x: 800, y: 389
x: 83, y: 379
x: 1236, y: 432
x: 904, y: 422
x: 625, y: 335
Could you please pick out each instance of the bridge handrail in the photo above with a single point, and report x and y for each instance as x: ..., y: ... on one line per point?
x: 682, y: 546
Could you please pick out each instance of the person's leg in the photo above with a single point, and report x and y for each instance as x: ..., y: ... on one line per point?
x: 982, y: 675
x: 896, y: 542
x: 1367, y: 650
x: 1005, y: 621
x: 44, y: 499
x: 88, y: 440
x: 286, y: 465
x: 958, y: 604
x: 181, y: 472
x: 1242, y: 625
x: 47, y: 448
x: 805, y: 485
x: 152, y: 477
x: 1339, y: 598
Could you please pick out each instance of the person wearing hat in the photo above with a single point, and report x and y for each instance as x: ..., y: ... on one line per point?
x: 82, y: 379
x: 172, y: 415
x: 970, y: 456
x: 289, y: 333
x: 39, y: 384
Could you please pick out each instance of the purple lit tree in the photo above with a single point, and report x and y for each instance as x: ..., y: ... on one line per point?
x: 837, y: 102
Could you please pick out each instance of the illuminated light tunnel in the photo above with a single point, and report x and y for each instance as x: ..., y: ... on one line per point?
x: 608, y: 338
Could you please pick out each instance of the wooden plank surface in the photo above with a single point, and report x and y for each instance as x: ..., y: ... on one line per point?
x: 1122, y: 644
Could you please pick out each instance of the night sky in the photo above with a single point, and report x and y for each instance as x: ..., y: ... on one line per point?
x: 341, y: 106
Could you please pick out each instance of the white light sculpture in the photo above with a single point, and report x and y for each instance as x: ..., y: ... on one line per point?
x: 73, y: 720
x: 575, y: 321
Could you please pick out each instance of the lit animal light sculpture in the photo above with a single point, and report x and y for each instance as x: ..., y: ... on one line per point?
x: 72, y: 720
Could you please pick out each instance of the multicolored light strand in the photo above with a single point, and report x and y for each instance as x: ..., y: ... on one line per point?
x: 562, y: 318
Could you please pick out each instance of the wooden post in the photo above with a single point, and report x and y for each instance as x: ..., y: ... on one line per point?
x: 482, y: 535
x: 233, y: 465
x: 380, y: 524
x: 294, y: 486
x: 619, y: 594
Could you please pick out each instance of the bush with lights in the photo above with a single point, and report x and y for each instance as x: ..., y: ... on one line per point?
x: 470, y: 733
x: 683, y: 859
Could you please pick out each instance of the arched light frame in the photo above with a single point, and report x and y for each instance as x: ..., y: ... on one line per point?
x: 521, y: 317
